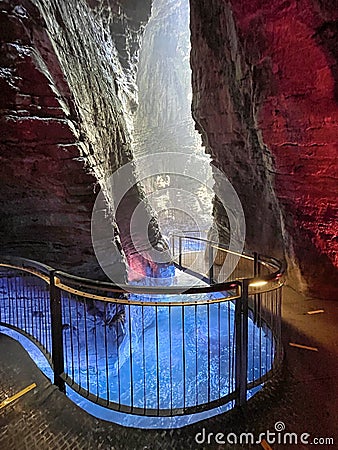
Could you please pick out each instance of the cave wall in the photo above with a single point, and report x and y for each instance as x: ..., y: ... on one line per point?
x: 46, y: 195
x: 224, y: 107
x: 66, y: 124
x: 265, y: 100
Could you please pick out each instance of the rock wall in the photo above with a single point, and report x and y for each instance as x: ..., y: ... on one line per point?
x: 69, y: 96
x: 46, y: 195
x: 224, y: 107
x: 265, y: 99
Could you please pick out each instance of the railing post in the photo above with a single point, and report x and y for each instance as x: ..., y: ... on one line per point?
x: 172, y: 239
x: 256, y: 264
x: 180, y: 251
x: 56, y: 331
x: 241, y: 337
x: 211, y: 264
x: 257, y: 297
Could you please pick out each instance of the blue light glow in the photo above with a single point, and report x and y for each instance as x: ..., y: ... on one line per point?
x: 169, y: 357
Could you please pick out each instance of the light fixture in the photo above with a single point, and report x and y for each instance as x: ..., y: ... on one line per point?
x: 258, y: 283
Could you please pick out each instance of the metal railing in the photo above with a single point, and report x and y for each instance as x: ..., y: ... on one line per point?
x: 151, y: 350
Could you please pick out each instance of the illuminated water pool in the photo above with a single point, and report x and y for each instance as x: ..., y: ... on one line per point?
x: 170, y: 358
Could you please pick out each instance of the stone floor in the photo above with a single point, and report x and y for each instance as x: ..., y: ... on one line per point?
x: 304, y: 398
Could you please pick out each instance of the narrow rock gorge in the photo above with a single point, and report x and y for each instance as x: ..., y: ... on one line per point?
x: 163, y: 120
x: 264, y: 99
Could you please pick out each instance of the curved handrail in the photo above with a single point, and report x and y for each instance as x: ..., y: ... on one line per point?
x: 134, y: 289
x: 152, y: 302
x: 269, y: 261
x: 78, y: 285
x: 36, y: 268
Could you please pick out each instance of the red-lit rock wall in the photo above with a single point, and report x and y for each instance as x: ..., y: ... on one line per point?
x: 224, y: 107
x: 273, y: 73
x: 46, y: 193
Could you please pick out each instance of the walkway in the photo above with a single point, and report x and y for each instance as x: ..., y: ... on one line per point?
x: 305, y: 398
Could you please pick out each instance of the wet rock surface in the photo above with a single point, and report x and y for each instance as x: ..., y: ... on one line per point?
x: 265, y: 98
x: 296, y: 70
x: 224, y: 110
x: 68, y: 98
x: 46, y: 193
